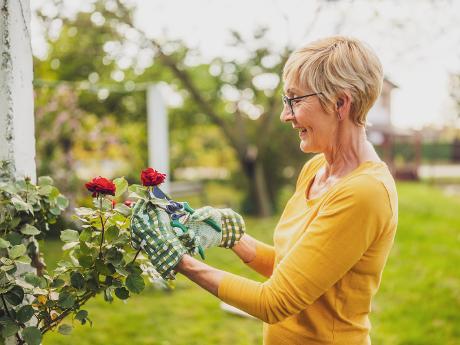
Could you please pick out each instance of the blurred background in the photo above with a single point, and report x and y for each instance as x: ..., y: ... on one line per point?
x: 213, y: 70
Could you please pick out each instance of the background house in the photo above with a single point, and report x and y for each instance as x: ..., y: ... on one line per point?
x: 384, y: 135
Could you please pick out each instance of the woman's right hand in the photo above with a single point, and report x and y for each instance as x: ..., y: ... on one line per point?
x: 231, y: 225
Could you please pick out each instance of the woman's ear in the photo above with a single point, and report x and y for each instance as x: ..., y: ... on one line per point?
x: 343, y: 105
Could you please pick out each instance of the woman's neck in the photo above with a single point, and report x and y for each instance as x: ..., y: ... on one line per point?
x: 349, y: 149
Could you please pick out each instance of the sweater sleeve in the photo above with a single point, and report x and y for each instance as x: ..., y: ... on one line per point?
x: 264, y: 260
x: 331, y: 245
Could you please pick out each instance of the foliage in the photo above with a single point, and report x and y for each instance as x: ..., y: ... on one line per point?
x: 228, y: 111
x: 99, y: 259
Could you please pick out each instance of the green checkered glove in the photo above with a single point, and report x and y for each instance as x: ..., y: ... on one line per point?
x: 231, y: 224
x: 151, y: 231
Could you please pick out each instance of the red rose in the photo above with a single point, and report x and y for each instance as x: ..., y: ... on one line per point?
x: 129, y: 203
x: 100, y: 185
x: 151, y: 177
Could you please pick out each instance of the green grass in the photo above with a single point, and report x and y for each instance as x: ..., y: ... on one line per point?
x: 418, y: 302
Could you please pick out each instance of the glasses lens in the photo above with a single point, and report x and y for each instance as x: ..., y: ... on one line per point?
x: 288, y: 102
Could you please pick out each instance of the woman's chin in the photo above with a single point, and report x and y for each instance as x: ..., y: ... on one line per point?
x: 305, y: 147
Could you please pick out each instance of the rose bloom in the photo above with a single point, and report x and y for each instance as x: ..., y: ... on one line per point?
x: 101, y: 185
x: 151, y: 177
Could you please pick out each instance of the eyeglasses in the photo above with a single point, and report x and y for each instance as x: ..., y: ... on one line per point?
x: 289, y: 101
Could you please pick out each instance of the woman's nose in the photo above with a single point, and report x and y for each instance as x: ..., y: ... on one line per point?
x: 286, y: 116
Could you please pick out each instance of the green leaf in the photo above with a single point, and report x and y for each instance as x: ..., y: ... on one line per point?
x: 65, y: 329
x: 81, y: 315
x: 28, y: 229
x: 114, y: 256
x: 25, y: 259
x: 55, y: 211
x: 17, y: 251
x: 84, y: 211
x: 45, y: 190
x: 45, y: 180
x: 9, y: 328
x: 85, y: 261
x: 85, y: 235
x: 20, y: 205
x: 133, y: 268
x: 7, y: 268
x: 135, y: 283
x: 4, y: 243
x: 62, y: 202
x: 111, y: 233
x: 122, y: 293
x: 14, y: 238
x: 32, y: 335
x: 69, y: 235
x: 57, y: 283
x: 122, y: 271
x: 6, y: 282
x: 54, y: 193
x: 77, y: 280
x: 15, y: 295
x: 122, y: 186
x: 66, y: 300
x: 108, y: 295
x: 123, y: 209
x: 105, y: 269
x: 25, y: 313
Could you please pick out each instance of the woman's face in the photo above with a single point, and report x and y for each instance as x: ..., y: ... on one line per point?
x: 317, y: 128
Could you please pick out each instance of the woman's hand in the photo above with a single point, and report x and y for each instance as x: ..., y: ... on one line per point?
x: 151, y: 230
x: 231, y: 224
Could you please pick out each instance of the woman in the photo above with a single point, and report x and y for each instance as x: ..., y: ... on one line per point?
x: 335, y: 234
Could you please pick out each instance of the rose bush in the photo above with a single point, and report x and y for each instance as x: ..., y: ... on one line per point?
x: 98, y: 256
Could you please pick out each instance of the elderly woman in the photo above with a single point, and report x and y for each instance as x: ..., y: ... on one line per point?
x: 334, y: 236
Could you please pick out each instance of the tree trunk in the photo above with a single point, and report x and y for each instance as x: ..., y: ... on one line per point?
x: 258, y: 198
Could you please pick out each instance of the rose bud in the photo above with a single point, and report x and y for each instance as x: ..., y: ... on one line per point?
x: 151, y: 177
x: 100, y: 185
x: 129, y: 203
x: 114, y: 202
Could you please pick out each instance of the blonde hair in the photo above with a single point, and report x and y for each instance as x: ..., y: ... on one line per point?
x: 333, y: 65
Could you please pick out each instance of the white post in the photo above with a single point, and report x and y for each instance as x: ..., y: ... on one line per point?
x: 17, y: 140
x: 157, y: 131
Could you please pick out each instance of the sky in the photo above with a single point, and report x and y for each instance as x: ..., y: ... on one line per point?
x: 418, y: 41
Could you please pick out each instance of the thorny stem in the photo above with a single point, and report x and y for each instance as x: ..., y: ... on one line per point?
x: 137, y: 253
x: 102, y: 224
x: 82, y: 301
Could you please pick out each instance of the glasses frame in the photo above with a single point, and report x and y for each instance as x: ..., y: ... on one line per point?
x: 288, y: 101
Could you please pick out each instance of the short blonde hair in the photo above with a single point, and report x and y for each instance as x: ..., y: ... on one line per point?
x: 333, y: 65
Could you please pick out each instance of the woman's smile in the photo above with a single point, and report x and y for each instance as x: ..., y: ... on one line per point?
x: 302, y: 133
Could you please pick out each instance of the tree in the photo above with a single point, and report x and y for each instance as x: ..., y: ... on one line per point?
x: 241, y: 98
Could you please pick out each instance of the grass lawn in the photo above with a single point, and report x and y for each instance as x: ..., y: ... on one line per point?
x: 418, y: 302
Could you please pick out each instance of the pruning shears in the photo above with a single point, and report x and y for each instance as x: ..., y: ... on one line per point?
x: 174, y: 209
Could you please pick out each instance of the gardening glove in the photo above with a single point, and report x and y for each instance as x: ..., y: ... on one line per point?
x: 231, y: 225
x: 151, y: 230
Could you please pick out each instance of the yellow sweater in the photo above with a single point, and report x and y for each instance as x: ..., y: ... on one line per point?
x: 326, y: 263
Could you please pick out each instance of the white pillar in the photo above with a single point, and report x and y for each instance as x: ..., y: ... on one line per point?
x: 157, y: 131
x: 17, y: 140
